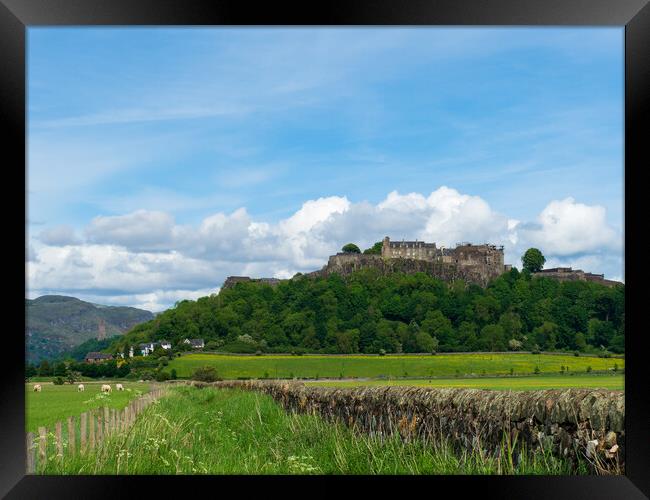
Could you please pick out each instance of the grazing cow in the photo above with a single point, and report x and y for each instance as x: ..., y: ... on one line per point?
x: 119, y: 387
x: 106, y: 388
x: 81, y: 388
x: 37, y: 388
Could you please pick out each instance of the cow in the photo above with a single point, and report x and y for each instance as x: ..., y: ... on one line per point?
x: 37, y: 388
x: 106, y: 388
x: 81, y: 388
x: 119, y: 387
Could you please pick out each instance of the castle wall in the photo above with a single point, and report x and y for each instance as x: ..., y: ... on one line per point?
x: 346, y: 264
x: 568, y: 274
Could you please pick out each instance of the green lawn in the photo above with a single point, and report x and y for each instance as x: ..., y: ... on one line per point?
x: 532, y: 383
x: 57, y: 402
x: 219, y: 431
x: 360, y: 366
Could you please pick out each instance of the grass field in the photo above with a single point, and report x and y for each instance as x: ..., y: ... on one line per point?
x: 217, y: 431
x: 532, y: 383
x: 359, y: 366
x: 56, y: 402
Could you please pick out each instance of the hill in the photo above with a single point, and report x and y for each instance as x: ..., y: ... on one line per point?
x: 56, y: 323
x: 369, y: 312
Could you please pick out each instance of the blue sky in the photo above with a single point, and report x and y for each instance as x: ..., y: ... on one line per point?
x: 150, y: 145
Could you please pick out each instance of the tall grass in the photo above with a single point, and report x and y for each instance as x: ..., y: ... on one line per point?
x: 217, y: 431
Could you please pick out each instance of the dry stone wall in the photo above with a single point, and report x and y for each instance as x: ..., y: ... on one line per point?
x: 574, y: 423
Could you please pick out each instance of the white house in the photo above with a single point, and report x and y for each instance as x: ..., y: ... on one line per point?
x: 131, y: 352
x: 146, y: 348
x: 165, y: 344
x: 195, y: 343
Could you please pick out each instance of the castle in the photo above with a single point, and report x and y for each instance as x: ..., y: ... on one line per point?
x: 476, y: 264
x: 486, y: 260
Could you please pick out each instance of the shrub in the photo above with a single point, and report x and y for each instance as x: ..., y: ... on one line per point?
x: 382, y: 352
x: 173, y: 375
x: 588, y: 369
x: 535, y: 350
x: 576, y: 354
x: 211, y: 345
x: 58, y: 381
x: 206, y: 374
x: 258, y: 353
x: 537, y: 370
x: 162, y: 376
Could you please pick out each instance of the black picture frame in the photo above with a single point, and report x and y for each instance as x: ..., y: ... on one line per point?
x: 17, y: 15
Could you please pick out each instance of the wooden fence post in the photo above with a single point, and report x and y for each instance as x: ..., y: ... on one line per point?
x: 59, y: 440
x: 31, y: 453
x: 91, y: 426
x: 100, y: 430
x: 71, y: 437
x: 42, y: 447
x: 84, y: 419
x: 106, y: 421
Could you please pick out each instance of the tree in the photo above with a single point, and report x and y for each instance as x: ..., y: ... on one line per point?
x: 60, y: 370
x: 73, y: 376
x: 351, y: 248
x: 533, y: 260
x: 514, y: 344
x: 493, y: 338
x: 44, y: 369
x: 375, y: 249
x: 425, y: 342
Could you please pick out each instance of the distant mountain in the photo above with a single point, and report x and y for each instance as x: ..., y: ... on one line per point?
x: 56, y: 323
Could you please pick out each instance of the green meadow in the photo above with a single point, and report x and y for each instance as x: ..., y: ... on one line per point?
x: 57, y: 402
x: 400, y: 366
x: 217, y: 431
x: 531, y: 383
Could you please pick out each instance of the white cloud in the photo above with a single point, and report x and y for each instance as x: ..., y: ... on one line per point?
x: 565, y: 227
x: 59, y: 236
x: 142, y: 229
x: 144, y: 258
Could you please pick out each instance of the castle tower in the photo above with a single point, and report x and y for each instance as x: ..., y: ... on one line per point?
x: 385, y: 247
